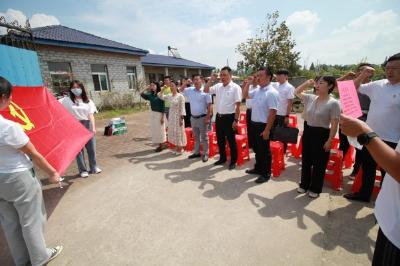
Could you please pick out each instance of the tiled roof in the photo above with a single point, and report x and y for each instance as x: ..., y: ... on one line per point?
x: 63, y: 36
x: 163, y: 60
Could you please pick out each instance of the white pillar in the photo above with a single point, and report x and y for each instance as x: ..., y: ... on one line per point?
x: 185, y: 72
x: 166, y: 71
x: 199, y: 71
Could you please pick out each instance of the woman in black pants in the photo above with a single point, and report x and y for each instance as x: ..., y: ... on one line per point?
x: 321, y: 115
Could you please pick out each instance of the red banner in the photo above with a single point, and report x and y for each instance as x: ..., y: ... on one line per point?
x: 56, y: 134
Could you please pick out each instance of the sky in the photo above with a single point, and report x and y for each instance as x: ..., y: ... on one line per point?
x: 208, y: 31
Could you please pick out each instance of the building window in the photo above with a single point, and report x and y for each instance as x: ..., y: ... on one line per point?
x: 131, y: 73
x: 152, y: 77
x: 61, y: 76
x: 100, y: 77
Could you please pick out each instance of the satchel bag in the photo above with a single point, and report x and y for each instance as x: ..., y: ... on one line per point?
x: 285, y: 134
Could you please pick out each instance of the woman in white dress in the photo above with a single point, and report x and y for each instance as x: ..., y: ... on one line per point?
x: 176, y: 127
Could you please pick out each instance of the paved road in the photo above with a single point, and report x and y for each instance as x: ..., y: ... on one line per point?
x: 151, y: 208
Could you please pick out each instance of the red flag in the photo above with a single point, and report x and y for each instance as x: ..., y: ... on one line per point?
x: 56, y: 134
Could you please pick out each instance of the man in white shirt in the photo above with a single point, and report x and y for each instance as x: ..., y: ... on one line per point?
x: 387, y: 207
x: 228, y: 98
x: 383, y: 118
x: 264, y: 107
x: 286, y: 96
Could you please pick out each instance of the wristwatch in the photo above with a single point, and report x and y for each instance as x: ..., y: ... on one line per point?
x: 365, y: 138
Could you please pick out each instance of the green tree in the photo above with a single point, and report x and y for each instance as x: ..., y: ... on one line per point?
x: 273, y: 46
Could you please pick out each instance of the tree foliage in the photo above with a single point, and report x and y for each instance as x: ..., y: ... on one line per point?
x: 338, y: 70
x: 273, y: 46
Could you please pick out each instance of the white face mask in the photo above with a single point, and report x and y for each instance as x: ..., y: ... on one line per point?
x: 76, y: 91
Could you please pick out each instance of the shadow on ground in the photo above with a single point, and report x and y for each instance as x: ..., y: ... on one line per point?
x: 339, y: 227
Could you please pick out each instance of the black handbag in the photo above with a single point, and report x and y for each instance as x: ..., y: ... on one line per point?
x: 285, y: 134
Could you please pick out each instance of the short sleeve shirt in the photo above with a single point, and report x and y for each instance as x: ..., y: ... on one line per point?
x: 198, y: 99
x: 320, y: 114
x: 249, y: 102
x: 263, y: 100
x: 286, y: 92
x: 384, y: 110
x: 79, y: 109
x: 387, y: 208
x: 12, y: 138
x: 226, y: 97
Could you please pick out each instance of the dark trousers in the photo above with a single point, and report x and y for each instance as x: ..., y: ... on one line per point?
x: 314, y: 158
x: 225, y: 132
x: 280, y: 122
x: 357, y: 162
x: 249, y: 127
x: 188, y: 115
x: 262, y: 150
x: 344, y: 143
x: 368, y: 165
x: 386, y: 254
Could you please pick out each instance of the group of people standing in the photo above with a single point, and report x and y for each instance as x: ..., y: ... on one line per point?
x: 22, y: 214
x: 269, y: 105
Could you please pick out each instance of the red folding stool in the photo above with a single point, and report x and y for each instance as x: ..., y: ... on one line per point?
x: 189, y: 139
x: 212, y: 144
x: 278, y: 160
x: 242, y: 129
x: 349, y: 158
x: 358, y: 182
x: 334, y: 173
x: 292, y: 121
x: 296, y: 151
x: 242, y: 118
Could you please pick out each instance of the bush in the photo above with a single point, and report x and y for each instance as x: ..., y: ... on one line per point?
x: 120, y: 99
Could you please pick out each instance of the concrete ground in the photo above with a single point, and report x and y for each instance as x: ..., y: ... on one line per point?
x: 151, y: 208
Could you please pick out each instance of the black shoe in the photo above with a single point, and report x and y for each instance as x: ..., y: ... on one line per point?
x: 219, y: 162
x: 159, y: 148
x: 204, y: 158
x: 355, y: 196
x: 262, y: 179
x: 232, y: 166
x: 252, y: 172
x: 194, y: 155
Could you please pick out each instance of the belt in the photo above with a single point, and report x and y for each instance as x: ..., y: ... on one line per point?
x: 198, y: 116
x: 225, y: 115
x: 259, y: 123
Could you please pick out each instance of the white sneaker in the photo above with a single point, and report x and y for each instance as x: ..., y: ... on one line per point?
x: 84, y: 174
x: 301, y: 190
x: 313, y: 195
x: 97, y: 170
x: 54, y: 253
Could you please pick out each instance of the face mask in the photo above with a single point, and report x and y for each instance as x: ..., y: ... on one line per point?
x: 76, y: 91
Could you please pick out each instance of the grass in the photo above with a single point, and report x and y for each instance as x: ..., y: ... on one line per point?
x: 108, y: 114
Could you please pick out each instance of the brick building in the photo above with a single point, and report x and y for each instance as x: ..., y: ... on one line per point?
x: 101, y: 64
x: 158, y: 66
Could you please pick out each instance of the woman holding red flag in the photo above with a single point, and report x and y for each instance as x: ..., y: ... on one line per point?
x: 22, y: 211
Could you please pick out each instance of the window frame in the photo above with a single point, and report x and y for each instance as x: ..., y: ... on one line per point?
x: 132, y: 75
x: 98, y: 74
